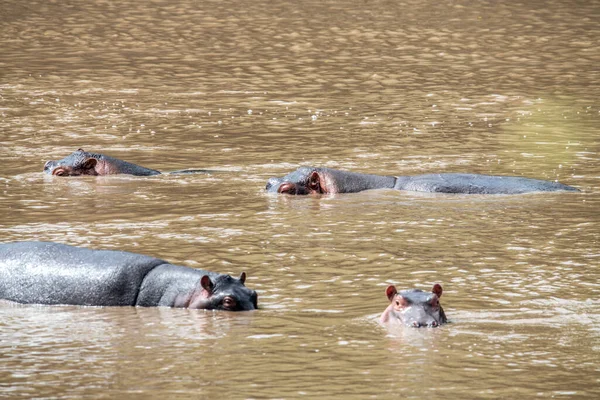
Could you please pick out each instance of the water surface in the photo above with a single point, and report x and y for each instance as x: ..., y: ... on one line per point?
x: 257, y: 89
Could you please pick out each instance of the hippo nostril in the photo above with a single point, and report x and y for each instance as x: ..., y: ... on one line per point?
x: 272, y: 184
x: 434, y: 324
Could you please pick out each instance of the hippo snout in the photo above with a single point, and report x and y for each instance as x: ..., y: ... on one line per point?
x: 421, y: 324
x: 255, y: 299
x: 273, y: 184
x: 49, y: 167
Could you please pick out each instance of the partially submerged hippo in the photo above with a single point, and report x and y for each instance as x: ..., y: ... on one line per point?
x: 81, y: 162
x: 309, y: 180
x: 414, y: 307
x: 52, y: 273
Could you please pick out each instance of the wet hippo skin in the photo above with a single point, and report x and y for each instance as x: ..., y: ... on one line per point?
x: 53, y: 273
x: 414, y: 307
x: 313, y: 180
x: 82, y: 162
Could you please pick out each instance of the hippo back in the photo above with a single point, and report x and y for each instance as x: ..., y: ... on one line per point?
x: 52, y: 273
x: 477, y: 184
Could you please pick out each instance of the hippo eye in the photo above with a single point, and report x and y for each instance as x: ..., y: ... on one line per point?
x: 229, y: 303
x: 401, y: 302
x: 58, y: 172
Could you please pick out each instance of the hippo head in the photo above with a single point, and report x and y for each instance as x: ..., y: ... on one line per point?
x: 311, y: 180
x: 221, y: 292
x: 415, y: 307
x: 304, y: 180
x: 77, y: 163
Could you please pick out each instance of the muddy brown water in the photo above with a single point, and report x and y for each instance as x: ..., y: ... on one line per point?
x: 255, y: 89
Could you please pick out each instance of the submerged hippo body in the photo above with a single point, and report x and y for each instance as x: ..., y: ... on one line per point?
x: 414, y: 307
x: 309, y: 180
x: 52, y: 273
x: 82, y: 162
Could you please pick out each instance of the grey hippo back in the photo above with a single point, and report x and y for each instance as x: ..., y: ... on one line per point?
x: 43, y: 273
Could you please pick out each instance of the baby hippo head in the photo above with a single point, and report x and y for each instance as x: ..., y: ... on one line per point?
x: 414, y: 307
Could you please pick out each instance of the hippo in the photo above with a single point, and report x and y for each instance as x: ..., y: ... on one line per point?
x: 314, y: 180
x: 414, y: 307
x: 52, y: 273
x: 81, y: 162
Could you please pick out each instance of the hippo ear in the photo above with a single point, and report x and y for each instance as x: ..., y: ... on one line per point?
x: 80, y: 149
x: 437, y: 289
x: 314, y: 182
x: 242, y: 277
x: 391, y: 292
x: 90, y: 163
x: 207, y: 283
